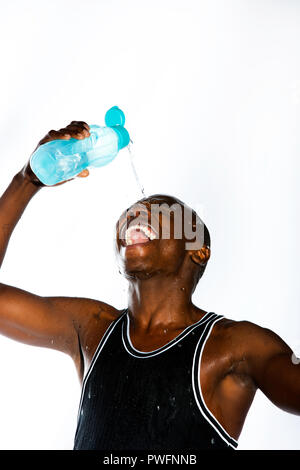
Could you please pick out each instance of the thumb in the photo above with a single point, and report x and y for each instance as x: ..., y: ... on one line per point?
x: 83, y: 174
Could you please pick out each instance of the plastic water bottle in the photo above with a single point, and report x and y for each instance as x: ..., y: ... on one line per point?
x: 60, y: 160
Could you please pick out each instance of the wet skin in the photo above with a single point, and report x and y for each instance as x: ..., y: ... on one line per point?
x: 238, y: 358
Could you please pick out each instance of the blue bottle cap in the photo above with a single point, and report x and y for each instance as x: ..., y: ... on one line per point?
x: 114, y: 117
x: 123, y: 136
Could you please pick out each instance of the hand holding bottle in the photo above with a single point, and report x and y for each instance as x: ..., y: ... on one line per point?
x: 76, y: 130
x: 69, y: 152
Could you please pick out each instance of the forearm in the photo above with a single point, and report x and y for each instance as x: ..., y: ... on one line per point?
x: 12, y: 205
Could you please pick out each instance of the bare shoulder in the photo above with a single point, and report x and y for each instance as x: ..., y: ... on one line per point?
x: 90, y: 319
x: 231, y: 327
x: 250, y: 338
x: 83, y: 310
x: 101, y: 310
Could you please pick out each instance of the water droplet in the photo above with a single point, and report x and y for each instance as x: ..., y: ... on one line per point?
x: 179, y: 345
x: 52, y: 341
x: 158, y: 407
x: 165, y: 331
x: 212, y: 441
x: 182, y: 288
x: 89, y: 395
x: 86, y: 347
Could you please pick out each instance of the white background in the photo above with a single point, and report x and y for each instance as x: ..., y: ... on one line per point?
x: 211, y: 93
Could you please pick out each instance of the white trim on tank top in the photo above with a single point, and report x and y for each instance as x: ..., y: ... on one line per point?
x: 200, y: 389
x: 99, y: 348
x: 155, y: 352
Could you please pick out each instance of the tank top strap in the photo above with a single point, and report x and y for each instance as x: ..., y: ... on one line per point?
x: 99, y: 348
x: 203, y: 337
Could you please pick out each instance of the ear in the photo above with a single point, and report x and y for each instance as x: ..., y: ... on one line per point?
x: 201, y: 256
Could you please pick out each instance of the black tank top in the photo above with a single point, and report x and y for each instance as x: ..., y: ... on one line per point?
x: 133, y: 400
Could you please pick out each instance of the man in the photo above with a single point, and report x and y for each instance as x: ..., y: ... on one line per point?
x: 163, y: 373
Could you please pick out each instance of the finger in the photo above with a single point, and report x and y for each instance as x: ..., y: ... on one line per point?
x: 83, y: 174
x: 54, y: 135
x: 76, y: 131
x: 75, y: 128
x: 81, y: 124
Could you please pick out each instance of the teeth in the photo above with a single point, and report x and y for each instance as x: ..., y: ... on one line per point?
x: 145, y: 229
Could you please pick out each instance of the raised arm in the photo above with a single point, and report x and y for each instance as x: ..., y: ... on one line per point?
x: 61, y: 323
x: 25, y: 185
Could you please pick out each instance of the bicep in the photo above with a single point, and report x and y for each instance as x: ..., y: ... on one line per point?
x: 273, y: 370
x: 281, y: 382
x: 36, y: 320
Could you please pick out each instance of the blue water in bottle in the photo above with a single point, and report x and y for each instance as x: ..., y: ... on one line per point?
x: 60, y: 160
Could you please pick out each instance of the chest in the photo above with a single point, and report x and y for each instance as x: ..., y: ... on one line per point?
x: 171, y: 347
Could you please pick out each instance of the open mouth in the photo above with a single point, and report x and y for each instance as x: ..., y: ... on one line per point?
x: 137, y: 226
x: 138, y: 233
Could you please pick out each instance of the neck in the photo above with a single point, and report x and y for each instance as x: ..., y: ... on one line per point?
x: 161, y: 301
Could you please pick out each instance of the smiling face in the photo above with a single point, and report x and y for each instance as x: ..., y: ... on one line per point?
x: 151, y: 240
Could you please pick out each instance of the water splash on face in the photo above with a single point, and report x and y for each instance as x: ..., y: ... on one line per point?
x: 131, y: 157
